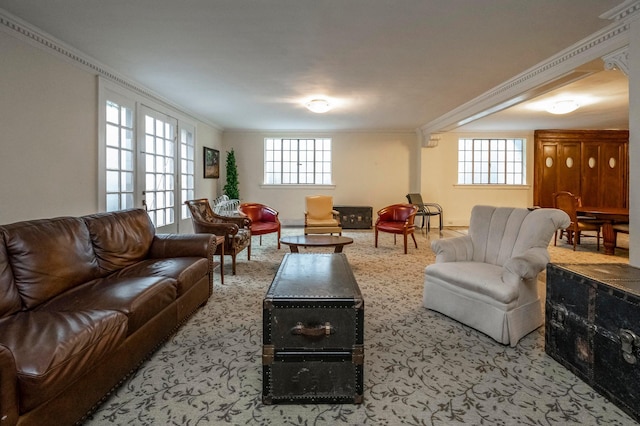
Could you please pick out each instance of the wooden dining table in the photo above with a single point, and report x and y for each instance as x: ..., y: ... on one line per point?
x: 609, y: 216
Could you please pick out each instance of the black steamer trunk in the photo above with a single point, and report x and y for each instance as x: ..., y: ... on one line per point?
x: 592, y: 327
x: 313, y: 319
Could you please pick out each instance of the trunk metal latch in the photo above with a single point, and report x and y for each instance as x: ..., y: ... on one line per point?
x: 629, y: 342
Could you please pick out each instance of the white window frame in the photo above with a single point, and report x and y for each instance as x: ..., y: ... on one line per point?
x: 492, y: 161
x: 298, y: 162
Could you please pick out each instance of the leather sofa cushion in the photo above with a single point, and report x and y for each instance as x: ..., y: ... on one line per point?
x: 185, y: 270
x: 51, y: 349
x: 139, y: 298
x: 120, y: 239
x: 48, y: 257
x: 10, y: 299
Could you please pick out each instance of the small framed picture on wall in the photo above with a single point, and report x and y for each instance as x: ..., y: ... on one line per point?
x: 211, y: 163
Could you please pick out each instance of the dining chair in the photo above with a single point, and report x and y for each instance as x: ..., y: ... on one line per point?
x: 569, y: 203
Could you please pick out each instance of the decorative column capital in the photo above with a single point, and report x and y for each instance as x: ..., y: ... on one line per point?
x: 618, y: 60
x: 428, y: 139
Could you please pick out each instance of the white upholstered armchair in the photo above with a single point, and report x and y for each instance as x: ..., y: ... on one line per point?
x: 488, y: 278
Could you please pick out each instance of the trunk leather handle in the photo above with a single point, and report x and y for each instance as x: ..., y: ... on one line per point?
x: 319, y: 330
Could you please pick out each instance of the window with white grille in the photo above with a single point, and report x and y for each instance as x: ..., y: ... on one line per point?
x: 491, y: 161
x: 297, y: 161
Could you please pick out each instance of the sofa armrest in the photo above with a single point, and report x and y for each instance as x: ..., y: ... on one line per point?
x: 184, y: 245
x: 8, y: 387
x: 529, y: 264
x: 458, y: 249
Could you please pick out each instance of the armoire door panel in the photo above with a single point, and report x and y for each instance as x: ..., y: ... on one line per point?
x: 612, y: 174
x: 591, y: 164
x: 569, y: 168
x: 549, y: 174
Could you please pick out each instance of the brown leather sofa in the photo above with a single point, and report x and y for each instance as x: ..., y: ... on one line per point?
x: 83, y: 302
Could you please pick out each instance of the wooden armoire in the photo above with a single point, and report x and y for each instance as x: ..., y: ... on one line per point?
x: 590, y: 163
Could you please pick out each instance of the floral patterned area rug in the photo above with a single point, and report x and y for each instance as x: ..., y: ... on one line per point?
x: 421, y: 368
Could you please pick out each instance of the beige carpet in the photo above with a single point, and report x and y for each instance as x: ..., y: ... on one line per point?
x: 421, y: 368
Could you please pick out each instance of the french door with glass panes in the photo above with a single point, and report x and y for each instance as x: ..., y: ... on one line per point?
x: 157, y: 174
x: 147, y: 159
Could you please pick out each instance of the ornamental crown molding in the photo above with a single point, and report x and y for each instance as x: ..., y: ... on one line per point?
x: 626, y: 9
x: 24, y: 31
x: 561, y: 69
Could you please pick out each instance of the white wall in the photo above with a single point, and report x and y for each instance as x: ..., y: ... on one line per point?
x: 48, y: 118
x: 211, y: 138
x: 49, y: 136
x: 439, y: 179
x: 369, y: 169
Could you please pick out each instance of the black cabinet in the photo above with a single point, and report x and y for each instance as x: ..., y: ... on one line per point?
x: 355, y: 217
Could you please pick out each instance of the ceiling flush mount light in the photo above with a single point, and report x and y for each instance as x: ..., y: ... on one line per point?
x: 563, y: 107
x: 318, y: 105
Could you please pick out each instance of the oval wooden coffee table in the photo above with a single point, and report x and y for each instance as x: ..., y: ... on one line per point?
x: 294, y: 242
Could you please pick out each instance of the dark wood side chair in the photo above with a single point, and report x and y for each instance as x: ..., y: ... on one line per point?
x: 236, y: 230
x: 397, y: 219
x: 569, y: 203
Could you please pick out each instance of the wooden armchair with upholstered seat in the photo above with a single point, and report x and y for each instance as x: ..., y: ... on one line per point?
x: 236, y: 231
x: 320, y: 217
x: 397, y: 219
x: 264, y: 219
x: 569, y: 203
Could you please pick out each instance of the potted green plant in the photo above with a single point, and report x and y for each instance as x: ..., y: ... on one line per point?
x: 231, y: 186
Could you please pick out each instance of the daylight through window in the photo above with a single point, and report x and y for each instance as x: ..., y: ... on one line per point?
x: 297, y: 161
x: 491, y: 161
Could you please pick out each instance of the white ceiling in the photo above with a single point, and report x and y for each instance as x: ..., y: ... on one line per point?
x: 386, y: 64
